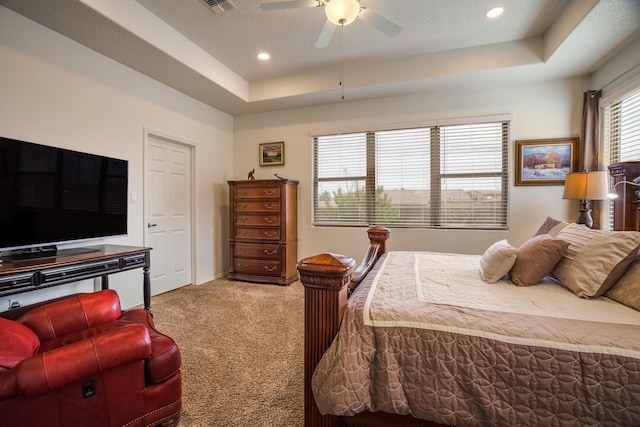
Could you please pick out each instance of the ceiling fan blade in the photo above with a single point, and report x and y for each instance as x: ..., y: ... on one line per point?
x: 325, y: 35
x: 379, y: 22
x: 290, y: 4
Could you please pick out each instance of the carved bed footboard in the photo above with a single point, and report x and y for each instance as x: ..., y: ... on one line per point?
x: 327, y: 279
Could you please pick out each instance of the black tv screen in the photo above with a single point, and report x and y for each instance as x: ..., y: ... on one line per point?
x: 51, y: 196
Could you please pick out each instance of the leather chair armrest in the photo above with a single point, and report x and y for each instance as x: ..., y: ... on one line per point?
x: 78, y: 361
x: 72, y: 314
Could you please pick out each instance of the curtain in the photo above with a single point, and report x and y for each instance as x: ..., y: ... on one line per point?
x: 590, y: 143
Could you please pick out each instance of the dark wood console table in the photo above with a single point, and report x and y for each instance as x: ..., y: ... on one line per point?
x: 73, y: 265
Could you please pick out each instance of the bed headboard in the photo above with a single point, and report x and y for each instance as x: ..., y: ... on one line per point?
x: 626, y: 207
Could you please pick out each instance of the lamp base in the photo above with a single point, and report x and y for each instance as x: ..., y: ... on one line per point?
x: 584, y: 215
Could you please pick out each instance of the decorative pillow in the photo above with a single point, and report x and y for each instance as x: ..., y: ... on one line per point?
x: 536, y: 258
x: 627, y: 290
x: 497, y: 261
x: 17, y: 342
x: 596, y: 259
x: 551, y: 227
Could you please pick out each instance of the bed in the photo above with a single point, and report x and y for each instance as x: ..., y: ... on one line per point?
x: 548, y: 339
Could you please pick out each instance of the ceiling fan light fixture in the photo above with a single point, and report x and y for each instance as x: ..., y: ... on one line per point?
x: 342, y: 12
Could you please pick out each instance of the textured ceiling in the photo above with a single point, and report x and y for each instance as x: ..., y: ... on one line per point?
x: 212, y: 57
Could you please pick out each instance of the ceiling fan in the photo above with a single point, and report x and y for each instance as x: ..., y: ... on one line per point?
x: 339, y: 12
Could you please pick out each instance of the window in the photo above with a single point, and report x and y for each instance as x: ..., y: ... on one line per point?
x: 621, y: 130
x: 449, y: 176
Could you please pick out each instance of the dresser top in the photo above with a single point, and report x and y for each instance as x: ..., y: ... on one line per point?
x: 264, y: 181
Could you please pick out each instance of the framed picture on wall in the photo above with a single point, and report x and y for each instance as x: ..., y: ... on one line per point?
x: 545, y: 161
x: 272, y: 153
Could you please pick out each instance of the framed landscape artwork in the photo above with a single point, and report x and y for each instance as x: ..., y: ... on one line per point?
x: 272, y: 154
x: 545, y: 161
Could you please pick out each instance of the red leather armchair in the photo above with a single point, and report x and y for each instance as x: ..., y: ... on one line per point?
x: 81, y: 361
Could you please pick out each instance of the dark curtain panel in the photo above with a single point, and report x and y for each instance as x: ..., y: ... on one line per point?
x: 590, y: 143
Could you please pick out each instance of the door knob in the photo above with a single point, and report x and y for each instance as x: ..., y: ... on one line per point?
x: 149, y: 225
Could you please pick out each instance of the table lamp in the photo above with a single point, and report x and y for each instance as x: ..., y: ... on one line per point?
x: 585, y: 186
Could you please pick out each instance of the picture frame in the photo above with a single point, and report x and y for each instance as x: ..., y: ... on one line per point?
x: 272, y: 153
x: 545, y: 161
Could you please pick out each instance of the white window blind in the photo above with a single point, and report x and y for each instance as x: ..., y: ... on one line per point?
x: 622, y: 129
x: 429, y: 177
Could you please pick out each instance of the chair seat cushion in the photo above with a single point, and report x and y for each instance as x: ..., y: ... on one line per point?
x: 17, y: 342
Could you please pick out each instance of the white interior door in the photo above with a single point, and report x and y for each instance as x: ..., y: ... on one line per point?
x: 168, y: 212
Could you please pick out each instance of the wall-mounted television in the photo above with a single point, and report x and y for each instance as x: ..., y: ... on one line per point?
x: 51, y: 196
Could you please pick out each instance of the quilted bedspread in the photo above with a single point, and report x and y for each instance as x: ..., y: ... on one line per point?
x: 418, y: 338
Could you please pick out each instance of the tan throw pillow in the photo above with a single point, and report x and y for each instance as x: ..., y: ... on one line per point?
x: 596, y: 259
x: 496, y: 261
x: 551, y: 226
x: 536, y: 258
x: 627, y: 290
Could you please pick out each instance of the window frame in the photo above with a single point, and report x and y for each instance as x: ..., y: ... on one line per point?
x: 611, y: 134
x: 436, y: 177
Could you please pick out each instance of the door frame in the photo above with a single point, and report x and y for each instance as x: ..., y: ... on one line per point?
x: 192, y: 147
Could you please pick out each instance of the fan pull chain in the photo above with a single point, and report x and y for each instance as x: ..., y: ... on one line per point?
x: 341, y: 62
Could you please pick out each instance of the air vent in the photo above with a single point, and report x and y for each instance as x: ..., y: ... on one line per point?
x: 219, y: 6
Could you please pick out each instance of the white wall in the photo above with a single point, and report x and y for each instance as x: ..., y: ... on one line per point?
x: 541, y: 110
x: 54, y: 91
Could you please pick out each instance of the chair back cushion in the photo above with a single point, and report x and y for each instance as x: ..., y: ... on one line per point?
x: 73, y: 314
x: 17, y: 342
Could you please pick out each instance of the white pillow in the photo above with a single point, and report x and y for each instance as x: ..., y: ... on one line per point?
x: 497, y: 261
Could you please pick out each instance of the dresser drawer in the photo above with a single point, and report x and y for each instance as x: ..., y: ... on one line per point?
x: 258, y: 233
x: 261, y: 220
x: 257, y: 192
x: 257, y: 251
x: 257, y: 266
x: 258, y: 206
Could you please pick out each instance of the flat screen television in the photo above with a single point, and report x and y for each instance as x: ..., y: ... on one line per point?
x: 51, y: 196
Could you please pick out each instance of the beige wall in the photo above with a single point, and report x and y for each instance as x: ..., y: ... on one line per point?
x: 54, y: 91
x: 539, y: 110
x: 57, y: 92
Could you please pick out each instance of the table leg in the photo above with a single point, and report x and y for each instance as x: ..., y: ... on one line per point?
x: 146, y: 283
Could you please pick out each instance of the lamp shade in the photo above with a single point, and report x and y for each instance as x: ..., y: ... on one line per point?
x: 342, y: 12
x: 586, y: 186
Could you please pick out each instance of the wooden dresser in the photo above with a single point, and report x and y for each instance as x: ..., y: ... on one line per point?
x: 627, y: 204
x: 263, y: 232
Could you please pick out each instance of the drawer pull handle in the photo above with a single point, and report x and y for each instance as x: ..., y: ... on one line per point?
x: 243, y: 206
x: 240, y: 251
x: 242, y: 233
x: 269, y: 205
x: 269, y: 252
x: 242, y: 219
x: 242, y: 193
x: 271, y: 269
x: 269, y: 220
x: 269, y: 233
x: 269, y: 192
x: 242, y: 266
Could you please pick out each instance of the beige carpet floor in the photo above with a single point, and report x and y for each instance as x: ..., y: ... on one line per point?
x: 242, y: 351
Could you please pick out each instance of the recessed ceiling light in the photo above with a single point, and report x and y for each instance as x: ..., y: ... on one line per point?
x: 264, y: 56
x: 494, y: 12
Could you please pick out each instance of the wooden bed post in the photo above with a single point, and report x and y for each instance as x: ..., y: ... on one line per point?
x: 326, y: 278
